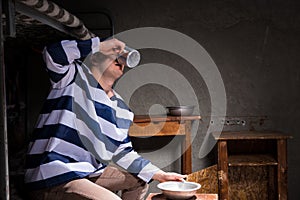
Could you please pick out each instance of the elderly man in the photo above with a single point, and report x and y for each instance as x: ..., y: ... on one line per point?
x: 83, y: 126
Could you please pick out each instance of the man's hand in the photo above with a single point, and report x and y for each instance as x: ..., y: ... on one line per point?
x: 112, y: 47
x: 162, y: 176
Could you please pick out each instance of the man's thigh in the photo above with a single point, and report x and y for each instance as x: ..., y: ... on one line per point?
x: 116, y: 179
x: 80, y: 189
x: 86, y: 189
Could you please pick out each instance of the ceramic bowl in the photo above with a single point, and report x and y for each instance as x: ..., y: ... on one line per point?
x: 179, y: 190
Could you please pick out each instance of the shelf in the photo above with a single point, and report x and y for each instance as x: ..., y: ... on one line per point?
x: 251, y: 160
x: 250, y: 135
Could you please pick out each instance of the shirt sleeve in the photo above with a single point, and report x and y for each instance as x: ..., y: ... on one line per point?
x: 127, y: 158
x: 60, y: 59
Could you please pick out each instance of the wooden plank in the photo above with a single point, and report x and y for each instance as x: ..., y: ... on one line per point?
x: 250, y: 135
x: 282, y: 169
x: 251, y: 160
x: 166, y: 118
x: 186, y: 150
x: 157, y: 129
x: 223, y: 170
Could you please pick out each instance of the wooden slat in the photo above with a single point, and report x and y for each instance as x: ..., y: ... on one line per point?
x: 250, y: 135
x: 282, y: 169
x: 157, y: 129
x: 223, y: 170
x: 186, y: 161
x: 160, y: 118
x: 251, y: 160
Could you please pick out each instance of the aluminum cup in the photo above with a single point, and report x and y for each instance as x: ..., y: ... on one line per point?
x: 130, y: 57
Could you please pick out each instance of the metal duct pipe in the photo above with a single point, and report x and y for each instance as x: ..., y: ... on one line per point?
x: 74, y: 25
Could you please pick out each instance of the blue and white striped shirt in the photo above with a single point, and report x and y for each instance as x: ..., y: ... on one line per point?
x: 80, y: 129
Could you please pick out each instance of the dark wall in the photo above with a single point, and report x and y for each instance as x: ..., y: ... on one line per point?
x: 255, y: 46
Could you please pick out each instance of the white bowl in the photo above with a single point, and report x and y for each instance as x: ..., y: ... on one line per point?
x: 179, y: 190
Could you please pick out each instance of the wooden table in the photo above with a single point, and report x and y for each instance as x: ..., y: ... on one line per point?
x: 254, y: 149
x: 158, y: 126
x: 158, y: 196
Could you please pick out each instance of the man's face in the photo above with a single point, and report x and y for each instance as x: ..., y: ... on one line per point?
x: 114, y: 70
x: 108, y: 66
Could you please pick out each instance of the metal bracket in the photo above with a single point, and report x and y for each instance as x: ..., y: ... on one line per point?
x: 9, y: 11
x: 30, y: 12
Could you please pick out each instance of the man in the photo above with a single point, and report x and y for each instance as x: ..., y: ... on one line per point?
x: 83, y: 126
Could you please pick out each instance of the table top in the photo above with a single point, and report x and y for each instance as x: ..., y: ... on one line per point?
x: 244, y: 135
x: 164, y: 118
x: 159, y: 196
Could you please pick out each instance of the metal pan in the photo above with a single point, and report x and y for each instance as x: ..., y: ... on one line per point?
x: 180, y: 110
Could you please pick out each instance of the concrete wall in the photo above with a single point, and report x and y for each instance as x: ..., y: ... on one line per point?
x: 255, y: 46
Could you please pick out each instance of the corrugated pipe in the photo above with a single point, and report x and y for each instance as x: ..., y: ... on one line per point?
x: 61, y: 15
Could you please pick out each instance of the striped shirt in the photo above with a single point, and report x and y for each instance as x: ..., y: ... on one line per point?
x: 80, y: 129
